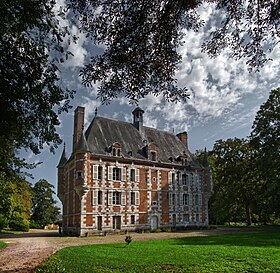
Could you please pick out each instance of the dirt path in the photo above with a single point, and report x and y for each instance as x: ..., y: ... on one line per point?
x: 26, y: 251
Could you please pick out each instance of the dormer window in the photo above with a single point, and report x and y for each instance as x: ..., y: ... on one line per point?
x: 116, y: 149
x: 153, y: 156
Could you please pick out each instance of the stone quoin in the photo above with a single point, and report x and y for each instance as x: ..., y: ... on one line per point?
x: 125, y: 176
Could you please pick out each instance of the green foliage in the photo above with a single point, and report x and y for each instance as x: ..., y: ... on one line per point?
x: 254, y: 252
x: 246, y: 171
x: 15, y: 202
x: 44, y: 211
x: 2, y: 245
x: 3, y: 221
x: 31, y: 93
x: 265, y: 137
x: 19, y: 224
x: 128, y: 239
x: 237, y: 187
x: 142, y: 38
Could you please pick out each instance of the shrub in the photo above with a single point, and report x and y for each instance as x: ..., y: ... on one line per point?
x: 3, y: 221
x: 33, y: 224
x: 19, y: 224
x: 128, y: 239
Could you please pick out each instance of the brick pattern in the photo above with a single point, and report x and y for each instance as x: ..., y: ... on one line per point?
x: 89, y: 205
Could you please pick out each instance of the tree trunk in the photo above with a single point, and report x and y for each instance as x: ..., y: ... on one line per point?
x: 248, y: 215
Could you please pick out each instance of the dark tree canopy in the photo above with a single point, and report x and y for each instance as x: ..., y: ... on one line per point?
x: 247, y: 171
x: 142, y: 37
x: 266, y: 138
x: 44, y: 211
x: 30, y: 85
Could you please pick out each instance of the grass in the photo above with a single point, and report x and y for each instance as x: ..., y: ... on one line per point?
x: 2, y: 245
x: 9, y: 231
x: 251, y: 252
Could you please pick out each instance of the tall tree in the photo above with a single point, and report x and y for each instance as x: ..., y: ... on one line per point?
x: 15, y: 203
x: 30, y: 84
x: 266, y: 138
x: 237, y: 185
x: 142, y: 37
x: 44, y: 211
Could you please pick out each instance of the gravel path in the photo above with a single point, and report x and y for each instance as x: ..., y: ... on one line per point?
x: 24, y: 252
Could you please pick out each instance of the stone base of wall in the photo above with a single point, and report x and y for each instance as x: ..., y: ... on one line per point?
x: 85, y: 232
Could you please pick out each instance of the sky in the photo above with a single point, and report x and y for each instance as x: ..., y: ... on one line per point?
x: 224, y: 97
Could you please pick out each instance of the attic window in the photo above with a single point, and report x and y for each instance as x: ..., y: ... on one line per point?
x: 116, y: 152
x: 129, y: 153
x: 184, y: 161
x: 153, y: 156
x: 170, y: 159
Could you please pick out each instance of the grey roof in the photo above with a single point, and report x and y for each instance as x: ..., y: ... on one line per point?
x: 103, y: 132
x: 82, y: 145
x: 63, y: 158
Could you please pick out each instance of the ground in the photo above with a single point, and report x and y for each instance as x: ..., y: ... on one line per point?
x: 24, y: 252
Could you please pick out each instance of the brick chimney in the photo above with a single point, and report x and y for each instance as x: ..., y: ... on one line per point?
x: 184, y: 138
x: 78, y: 125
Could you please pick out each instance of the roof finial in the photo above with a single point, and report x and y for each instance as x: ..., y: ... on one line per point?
x: 95, y: 112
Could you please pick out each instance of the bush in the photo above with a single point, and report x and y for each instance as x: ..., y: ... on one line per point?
x: 19, y: 224
x: 33, y: 224
x: 3, y: 221
x: 128, y: 239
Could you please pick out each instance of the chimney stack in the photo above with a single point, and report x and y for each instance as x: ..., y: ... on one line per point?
x: 78, y: 125
x: 184, y: 138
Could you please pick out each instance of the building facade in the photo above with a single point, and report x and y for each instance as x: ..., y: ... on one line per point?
x: 126, y: 176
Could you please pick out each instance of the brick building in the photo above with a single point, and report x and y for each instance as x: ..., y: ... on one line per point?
x: 126, y: 176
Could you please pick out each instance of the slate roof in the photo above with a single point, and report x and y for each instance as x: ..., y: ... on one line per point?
x: 63, y: 158
x: 103, y: 132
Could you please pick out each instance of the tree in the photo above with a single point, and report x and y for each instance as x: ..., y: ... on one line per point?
x: 15, y: 203
x: 142, y: 37
x: 44, y: 211
x: 31, y: 90
x: 266, y: 138
x: 238, y: 188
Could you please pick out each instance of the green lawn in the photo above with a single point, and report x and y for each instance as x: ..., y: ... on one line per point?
x: 2, y: 245
x: 252, y: 252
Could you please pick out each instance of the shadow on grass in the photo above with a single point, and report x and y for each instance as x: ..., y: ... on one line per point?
x: 262, y: 239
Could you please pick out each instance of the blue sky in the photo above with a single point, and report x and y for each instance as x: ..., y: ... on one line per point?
x: 224, y: 97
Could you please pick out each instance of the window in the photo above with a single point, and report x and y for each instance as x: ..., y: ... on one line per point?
x: 185, y: 199
x: 197, y: 217
x: 132, y: 219
x: 186, y: 217
x: 173, y: 178
x: 79, y: 174
x: 184, y: 161
x: 132, y: 198
x: 184, y: 179
x: 100, y: 170
x: 116, y: 152
x: 99, y: 199
x: 153, y: 156
x: 173, y: 199
x: 116, y: 174
x: 117, y: 198
x: 197, y: 200
x: 132, y: 175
